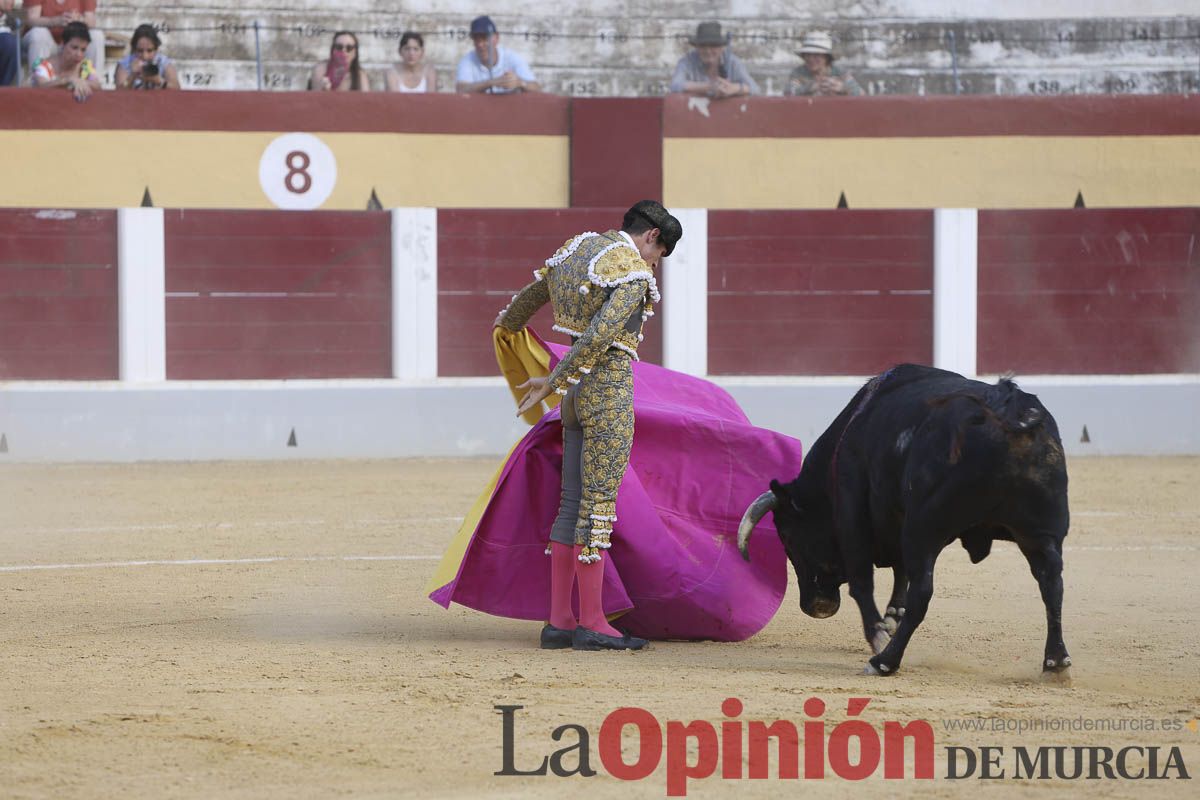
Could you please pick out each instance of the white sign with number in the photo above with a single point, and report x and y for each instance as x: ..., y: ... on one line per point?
x: 297, y: 171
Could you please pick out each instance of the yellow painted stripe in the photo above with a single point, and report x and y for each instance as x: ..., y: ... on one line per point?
x: 968, y: 172
x: 190, y: 169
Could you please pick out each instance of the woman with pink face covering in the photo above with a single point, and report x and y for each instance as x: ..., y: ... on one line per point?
x: 341, y: 72
x: 70, y: 67
x: 412, y: 74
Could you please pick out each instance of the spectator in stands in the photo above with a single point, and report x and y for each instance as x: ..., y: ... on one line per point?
x: 412, y: 74
x: 9, y: 66
x: 145, y: 67
x: 710, y: 69
x: 490, y: 68
x: 70, y: 67
x: 332, y: 75
x: 43, y: 33
x: 818, y: 75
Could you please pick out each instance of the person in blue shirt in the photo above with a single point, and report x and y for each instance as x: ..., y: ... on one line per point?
x: 490, y: 68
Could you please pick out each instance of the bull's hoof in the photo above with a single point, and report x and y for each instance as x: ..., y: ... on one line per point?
x: 1060, y: 667
x: 877, y: 667
x: 880, y: 639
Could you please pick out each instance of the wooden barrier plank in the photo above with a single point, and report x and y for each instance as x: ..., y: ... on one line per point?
x: 1084, y: 291
x: 58, y: 294
x: 486, y: 256
x: 839, y: 292
x: 276, y: 294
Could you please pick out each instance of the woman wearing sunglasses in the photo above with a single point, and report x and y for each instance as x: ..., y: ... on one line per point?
x: 341, y: 72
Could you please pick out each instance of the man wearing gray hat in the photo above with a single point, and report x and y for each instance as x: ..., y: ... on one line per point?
x: 818, y: 75
x: 710, y: 70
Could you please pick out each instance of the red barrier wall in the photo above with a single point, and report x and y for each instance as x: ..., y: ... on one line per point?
x: 58, y: 295
x: 278, y: 294
x: 1089, y: 291
x: 616, y: 151
x: 486, y: 256
x: 819, y: 292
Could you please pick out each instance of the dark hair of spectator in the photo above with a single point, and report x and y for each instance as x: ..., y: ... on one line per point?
x: 412, y: 36
x: 76, y: 30
x: 144, y: 31
x: 355, y: 70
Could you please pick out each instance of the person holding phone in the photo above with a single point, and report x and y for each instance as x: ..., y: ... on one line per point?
x: 146, y: 67
x: 341, y: 72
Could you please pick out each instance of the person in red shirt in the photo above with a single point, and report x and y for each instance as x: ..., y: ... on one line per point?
x: 45, y: 20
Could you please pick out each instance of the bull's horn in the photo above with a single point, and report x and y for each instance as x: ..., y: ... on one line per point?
x: 762, y: 504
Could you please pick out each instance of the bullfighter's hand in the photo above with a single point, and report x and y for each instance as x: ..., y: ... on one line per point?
x: 539, y: 389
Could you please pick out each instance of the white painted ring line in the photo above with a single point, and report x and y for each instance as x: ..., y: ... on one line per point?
x: 299, y: 559
x: 420, y: 521
x: 208, y: 562
x: 200, y: 526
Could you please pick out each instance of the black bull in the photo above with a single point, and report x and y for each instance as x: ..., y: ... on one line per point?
x: 919, y: 458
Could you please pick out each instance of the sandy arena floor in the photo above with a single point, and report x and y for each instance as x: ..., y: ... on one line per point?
x: 303, y: 660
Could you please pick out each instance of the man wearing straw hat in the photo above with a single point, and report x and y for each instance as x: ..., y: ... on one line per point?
x: 818, y: 75
x: 710, y: 70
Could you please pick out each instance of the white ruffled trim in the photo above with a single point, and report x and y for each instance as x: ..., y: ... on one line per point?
x: 647, y: 275
x: 583, y: 289
x: 586, y: 370
x: 565, y: 330
x: 555, y: 260
x: 605, y: 517
x: 619, y: 345
x: 560, y: 391
x: 625, y: 278
x: 627, y: 349
x: 572, y: 381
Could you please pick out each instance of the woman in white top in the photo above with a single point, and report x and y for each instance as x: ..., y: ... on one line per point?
x: 412, y: 74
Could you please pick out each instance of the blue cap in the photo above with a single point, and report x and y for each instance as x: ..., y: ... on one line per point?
x: 482, y: 26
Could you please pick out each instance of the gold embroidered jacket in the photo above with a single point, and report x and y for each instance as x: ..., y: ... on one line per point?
x: 597, y: 284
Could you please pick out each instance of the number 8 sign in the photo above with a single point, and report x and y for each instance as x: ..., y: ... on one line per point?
x: 297, y: 171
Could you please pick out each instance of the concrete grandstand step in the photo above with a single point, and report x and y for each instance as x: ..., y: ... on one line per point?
x: 607, y: 48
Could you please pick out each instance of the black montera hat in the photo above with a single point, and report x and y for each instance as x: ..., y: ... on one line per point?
x: 669, y: 228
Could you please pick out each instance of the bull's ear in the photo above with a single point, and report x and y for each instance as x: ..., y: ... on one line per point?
x: 783, y: 495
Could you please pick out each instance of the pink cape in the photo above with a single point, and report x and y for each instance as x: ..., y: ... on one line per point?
x: 674, y: 571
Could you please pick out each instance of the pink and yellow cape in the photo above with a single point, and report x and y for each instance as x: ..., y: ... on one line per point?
x: 674, y: 570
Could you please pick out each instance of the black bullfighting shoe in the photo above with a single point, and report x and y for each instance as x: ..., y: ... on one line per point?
x: 556, y: 638
x: 586, y: 639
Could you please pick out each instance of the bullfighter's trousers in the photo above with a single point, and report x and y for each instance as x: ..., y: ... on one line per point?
x: 597, y: 419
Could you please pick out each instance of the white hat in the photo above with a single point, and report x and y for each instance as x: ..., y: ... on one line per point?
x: 816, y: 42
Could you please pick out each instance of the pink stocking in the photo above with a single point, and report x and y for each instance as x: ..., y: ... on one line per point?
x: 591, y: 605
x: 562, y: 582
